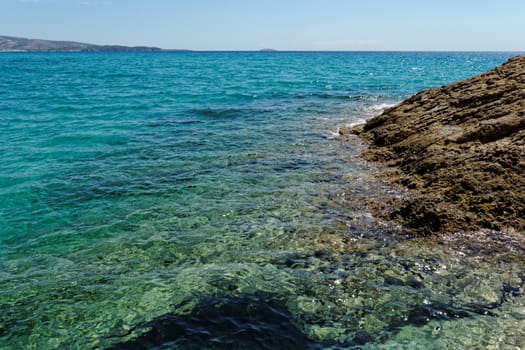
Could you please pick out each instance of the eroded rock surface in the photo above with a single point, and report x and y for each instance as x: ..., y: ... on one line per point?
x: 460, y: 150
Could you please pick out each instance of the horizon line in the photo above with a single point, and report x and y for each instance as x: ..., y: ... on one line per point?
x: 161, y: 50
x: 263, y: 49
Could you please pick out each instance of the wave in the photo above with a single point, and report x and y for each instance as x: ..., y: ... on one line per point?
x: 362, y: 114
x: 380, y: 107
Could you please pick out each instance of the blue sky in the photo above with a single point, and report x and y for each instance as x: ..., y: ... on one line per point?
x: 278, y: 24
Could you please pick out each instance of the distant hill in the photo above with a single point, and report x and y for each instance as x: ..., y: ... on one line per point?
x: 14, y: 44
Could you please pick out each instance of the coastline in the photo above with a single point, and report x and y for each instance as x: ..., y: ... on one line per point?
x: 143, y: 208
x: 458, y: 151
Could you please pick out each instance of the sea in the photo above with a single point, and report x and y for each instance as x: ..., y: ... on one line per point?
x: 204, y: 200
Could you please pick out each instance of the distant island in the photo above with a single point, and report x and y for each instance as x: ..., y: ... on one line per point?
x: 15, y: 44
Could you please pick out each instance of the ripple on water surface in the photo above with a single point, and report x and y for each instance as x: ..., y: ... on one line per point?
x: 201, y: 201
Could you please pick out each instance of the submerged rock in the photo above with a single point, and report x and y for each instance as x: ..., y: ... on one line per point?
x: 246, y: 322
x: 459, y: 150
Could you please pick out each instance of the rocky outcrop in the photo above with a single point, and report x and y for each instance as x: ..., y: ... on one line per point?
x: 459, y: 150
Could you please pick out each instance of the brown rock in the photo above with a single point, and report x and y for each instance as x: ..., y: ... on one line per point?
x: 462, y: 147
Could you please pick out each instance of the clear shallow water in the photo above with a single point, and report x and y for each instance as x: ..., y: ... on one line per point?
x: 201, y: 199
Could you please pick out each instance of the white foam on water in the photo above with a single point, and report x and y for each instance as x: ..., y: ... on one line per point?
x: 356, y: 123
x: 379, y: 108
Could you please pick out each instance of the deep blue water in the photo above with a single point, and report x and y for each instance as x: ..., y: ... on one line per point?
x: 141, y: 193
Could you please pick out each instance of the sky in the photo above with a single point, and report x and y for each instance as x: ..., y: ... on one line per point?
x: 455, y: 25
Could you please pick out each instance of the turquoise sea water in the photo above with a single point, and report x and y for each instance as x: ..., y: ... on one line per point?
x: 202, y: 201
